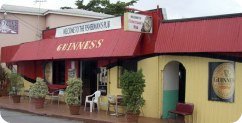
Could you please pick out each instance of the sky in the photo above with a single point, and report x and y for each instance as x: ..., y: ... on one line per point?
x: 174, y: 8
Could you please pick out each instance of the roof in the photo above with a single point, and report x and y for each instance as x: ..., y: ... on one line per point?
x: 209, y: 34
x: 81, y: 12
x: 113, y: 43
x: 232, y: 15
x: 43, y: 12
x: 22, y: 9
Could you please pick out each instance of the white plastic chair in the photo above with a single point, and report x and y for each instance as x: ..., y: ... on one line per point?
x: 92, y: 99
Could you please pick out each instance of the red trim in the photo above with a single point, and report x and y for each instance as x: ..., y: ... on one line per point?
x: 68, y: 66
x: 56, y: 87
x: 50, y: 33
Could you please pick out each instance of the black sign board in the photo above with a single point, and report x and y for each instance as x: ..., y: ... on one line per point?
x: 221, y: 81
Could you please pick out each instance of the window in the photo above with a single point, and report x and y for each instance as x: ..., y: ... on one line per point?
x: 59, y: 72
x: 130, y: 65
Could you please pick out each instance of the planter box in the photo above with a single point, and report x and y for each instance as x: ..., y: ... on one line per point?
x: 16, y: 98
x: 39, y: 102
x: 74, y: 109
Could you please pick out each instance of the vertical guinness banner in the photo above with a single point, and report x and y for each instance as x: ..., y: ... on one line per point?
x: 221, y: 81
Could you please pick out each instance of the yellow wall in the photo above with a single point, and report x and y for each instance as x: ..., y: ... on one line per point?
x: 113, y: 82
x: 152, y: 89
x: 112, y: 87
x: 27, y: 84
x: 149, y: 67
x: 196, y: 89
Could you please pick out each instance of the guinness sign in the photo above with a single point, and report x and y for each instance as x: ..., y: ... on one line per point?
x: 221, y: 81
x: 81, y: 45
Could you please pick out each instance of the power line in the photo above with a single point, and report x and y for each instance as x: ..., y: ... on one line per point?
x: 38, y: 35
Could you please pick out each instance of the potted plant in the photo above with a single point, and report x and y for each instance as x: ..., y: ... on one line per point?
x: 73, y: 94
x: 3, y: 81
x: 16, y: 85
x: 38, y: 91
x: 132, y: 85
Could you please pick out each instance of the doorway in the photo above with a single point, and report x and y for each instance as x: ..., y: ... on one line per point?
x: 88, y: 74
x: 59, y: 72
x: 174, y: 84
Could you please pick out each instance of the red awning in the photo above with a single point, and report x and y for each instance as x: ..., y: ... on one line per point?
x: 113, y: 43
x: 8, y: 52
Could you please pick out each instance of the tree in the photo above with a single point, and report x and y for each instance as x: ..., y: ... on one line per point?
x: 65, y: 7
x: 104, y: 6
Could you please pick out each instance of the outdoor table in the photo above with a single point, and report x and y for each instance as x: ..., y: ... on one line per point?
x: 118, y: 103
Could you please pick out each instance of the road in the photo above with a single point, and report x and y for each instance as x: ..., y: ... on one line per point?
x: 19, y: 117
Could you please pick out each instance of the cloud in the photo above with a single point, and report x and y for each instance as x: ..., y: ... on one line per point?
x: 198, y: 8
x: 174, y: 8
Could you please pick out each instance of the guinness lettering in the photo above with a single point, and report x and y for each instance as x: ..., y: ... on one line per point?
x: 224, y: 80
x: 83, y: 45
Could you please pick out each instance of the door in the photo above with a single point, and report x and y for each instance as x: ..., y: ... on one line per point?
x: 88, y: 74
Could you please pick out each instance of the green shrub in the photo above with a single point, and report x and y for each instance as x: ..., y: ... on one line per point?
x: 16, y: 83
x: 132, y: 85
x: 3, y: 74
x: 73, y: 91
x: 39, y: 89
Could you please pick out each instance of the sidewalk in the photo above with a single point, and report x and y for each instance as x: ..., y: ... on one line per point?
x: 62, y: 111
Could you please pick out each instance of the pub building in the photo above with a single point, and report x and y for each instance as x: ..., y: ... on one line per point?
x: 194, y: 60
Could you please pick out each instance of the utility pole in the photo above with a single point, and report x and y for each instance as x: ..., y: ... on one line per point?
x: 38, y: 33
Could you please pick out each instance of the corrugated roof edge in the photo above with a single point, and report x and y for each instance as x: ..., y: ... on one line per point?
x: 22, y: 9
x: 75, y: 14
x: 35, y: 11
x: 26, y: 13
x: 204, y: 18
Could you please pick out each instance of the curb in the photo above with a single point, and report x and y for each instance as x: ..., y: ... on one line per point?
x: 56, y: 116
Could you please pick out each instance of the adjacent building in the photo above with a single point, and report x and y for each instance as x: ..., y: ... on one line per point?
x: 26, y: 23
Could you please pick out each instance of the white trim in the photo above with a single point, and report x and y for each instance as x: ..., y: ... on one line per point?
x: 19, y: 12
x: 44, y: 12
x: 72, y: 14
